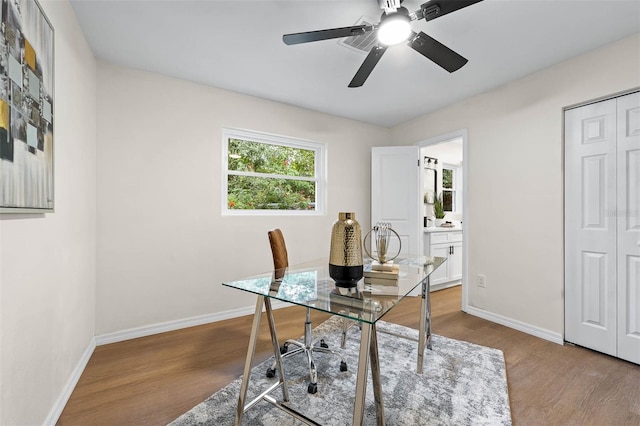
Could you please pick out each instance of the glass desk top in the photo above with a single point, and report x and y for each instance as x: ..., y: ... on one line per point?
x: 308, y: 284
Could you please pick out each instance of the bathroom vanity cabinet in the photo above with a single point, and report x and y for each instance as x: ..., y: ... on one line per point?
x: 445, y: 242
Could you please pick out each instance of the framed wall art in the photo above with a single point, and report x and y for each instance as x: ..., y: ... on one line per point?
x: 26, y: 108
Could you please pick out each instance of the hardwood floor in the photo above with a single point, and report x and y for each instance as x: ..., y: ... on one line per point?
x: 152, y: 380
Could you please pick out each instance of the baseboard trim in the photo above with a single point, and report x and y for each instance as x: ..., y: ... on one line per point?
x: 517, y: 325
x: 445, y: 285
x: 133, y: 333
x: 72, y: 381
x: 149, y: 330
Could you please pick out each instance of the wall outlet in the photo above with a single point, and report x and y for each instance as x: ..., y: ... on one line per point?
x: 481, y: 281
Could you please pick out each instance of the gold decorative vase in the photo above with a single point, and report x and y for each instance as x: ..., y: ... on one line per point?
x: 345, y: 257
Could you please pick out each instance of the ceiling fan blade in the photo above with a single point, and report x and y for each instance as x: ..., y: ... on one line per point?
x: 436, y: 8
x: 309, y: 36
x: 437, y: 52
x: 367, y: 66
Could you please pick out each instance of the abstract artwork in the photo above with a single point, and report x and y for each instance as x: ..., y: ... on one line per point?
x: 26, y: 108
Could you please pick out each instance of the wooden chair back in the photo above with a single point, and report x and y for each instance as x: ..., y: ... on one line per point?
x: 279, y: 252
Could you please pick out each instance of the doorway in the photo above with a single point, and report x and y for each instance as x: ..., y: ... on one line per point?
x: 450, y: 152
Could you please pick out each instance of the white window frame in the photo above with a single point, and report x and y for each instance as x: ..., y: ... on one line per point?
x: 320, y: 172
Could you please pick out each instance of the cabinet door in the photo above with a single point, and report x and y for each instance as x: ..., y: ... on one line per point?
x: 628, y: 183
x: 440, y: 275
x: 455, y: 262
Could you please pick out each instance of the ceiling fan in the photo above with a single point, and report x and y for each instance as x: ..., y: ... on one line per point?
x: 394, y: 28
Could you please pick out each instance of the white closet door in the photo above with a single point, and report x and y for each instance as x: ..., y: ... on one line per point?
x: 395, y: 194
x: 590, y: 226
x: 628, y: 181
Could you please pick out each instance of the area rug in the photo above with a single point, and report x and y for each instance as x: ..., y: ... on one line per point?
x: 461, y: 384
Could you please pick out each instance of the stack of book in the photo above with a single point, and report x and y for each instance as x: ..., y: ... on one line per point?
x: 381, y: 274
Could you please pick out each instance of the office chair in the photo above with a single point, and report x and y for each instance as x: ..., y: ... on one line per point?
x: 308, y: 347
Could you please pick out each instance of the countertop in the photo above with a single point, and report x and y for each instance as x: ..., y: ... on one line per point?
x: 441, y: 229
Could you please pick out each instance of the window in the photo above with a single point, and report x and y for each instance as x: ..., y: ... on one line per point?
x: 449, y: 189
x: 268, y: 174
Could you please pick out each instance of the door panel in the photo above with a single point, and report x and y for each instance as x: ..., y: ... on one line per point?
x: 455, y: 262
x: 395, y: 195
x: 594, y: 170
x: 440, y: 275
x: 628, y: 234
x: 593, y: 286
x: 590, y: 228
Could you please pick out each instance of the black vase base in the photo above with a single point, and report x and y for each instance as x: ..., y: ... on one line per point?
x: 346, y: 276
x: 346, y: 284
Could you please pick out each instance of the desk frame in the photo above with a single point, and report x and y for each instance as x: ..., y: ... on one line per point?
x: 368, y: 353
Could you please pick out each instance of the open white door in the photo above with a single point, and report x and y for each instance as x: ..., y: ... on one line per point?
x: 395, y: 194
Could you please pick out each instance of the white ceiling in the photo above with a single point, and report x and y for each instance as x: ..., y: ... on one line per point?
x: 237, y: 45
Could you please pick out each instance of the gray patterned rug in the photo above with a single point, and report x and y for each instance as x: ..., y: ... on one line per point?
x: 462, y: 384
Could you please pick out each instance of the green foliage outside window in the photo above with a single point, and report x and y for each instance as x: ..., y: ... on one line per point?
x: 447, y: 178
x: 448, y: 201
x: 438, y: 208
x: 260, y: 181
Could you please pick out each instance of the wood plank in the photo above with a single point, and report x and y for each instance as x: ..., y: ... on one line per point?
x: 153, y: 380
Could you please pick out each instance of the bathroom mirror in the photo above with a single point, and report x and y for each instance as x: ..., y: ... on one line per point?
x: 430, y: 179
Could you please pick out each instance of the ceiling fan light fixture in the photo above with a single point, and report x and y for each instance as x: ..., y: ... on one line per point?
x: 394, y: 28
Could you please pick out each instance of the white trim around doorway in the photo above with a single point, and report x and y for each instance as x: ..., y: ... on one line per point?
x: 465, y: 204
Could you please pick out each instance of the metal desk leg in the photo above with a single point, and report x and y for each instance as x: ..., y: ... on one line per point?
x: 375, y: 377
x: 276, y: 348
x: 361, y: 378
x: 427, y: 316
x: 242, y: 406
x: 425, y: 323
x: 253, y: 339
x: 345, y: 329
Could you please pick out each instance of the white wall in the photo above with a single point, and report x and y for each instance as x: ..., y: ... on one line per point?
x: 163, y: 247
x: 47, y: 262
x: 515, y: 189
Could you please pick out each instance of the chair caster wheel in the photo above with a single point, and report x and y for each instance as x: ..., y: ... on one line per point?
x: 313, y: 388
x: 271, y: 372
x: 343, y: 366
x: 284, y: 349
x: 323, y: 344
